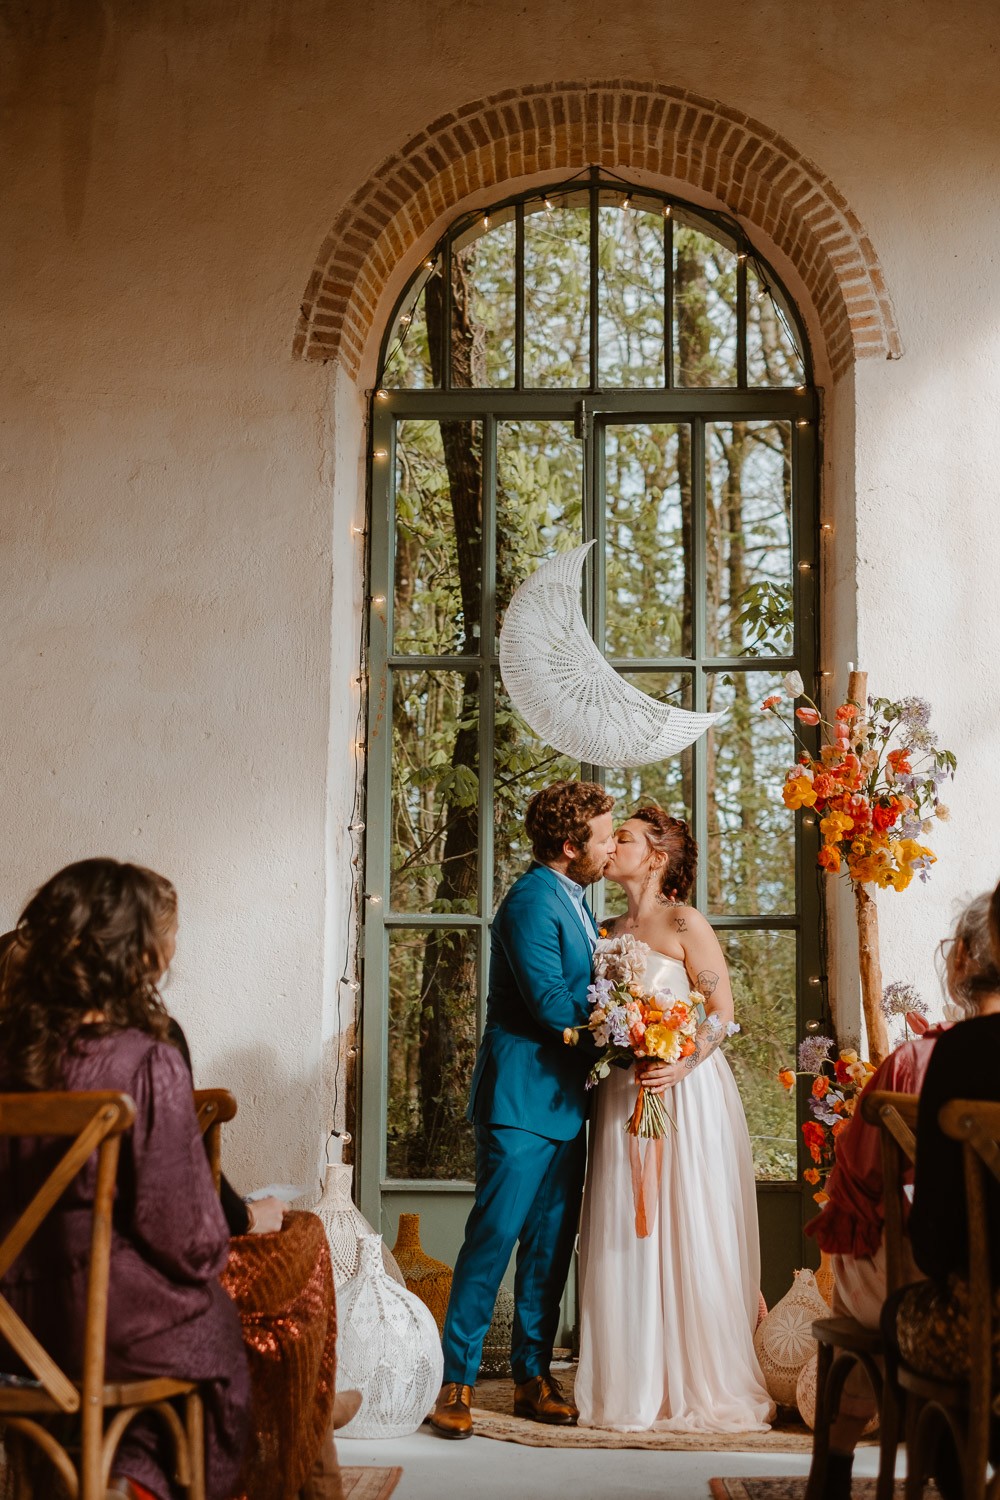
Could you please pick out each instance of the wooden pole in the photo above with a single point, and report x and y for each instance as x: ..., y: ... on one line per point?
x: 866, y: 910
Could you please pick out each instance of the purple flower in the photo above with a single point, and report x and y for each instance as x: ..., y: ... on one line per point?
x: 915, y: 712
x: 901, y: 999
x: 814, y: 1052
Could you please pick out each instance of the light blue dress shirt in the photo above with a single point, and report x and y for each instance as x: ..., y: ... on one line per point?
x: 576, y: 894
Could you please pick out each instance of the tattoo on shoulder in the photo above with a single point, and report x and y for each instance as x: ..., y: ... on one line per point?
x: 707, y: 982
x: 680, y: 923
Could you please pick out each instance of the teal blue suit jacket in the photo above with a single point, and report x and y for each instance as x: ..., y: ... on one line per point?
x: 540, y: 969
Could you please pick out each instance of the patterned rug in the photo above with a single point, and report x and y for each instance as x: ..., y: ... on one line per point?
x: 493, y: 1417
x: 369, y: 1484
x: 792, y: 1489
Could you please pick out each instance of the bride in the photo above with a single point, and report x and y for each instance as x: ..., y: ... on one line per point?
x: 666, y: 1333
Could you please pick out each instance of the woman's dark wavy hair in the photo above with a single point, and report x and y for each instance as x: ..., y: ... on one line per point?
x: 90, y: 939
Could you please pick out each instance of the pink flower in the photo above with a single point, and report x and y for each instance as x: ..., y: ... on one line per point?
x: 770, y: 703
x: 808, y: 715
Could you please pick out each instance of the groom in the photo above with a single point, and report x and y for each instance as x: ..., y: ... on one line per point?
x: 529, y: 1104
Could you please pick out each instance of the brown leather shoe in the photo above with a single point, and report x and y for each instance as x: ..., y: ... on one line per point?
x: 541, y: 1399
x: 452, y: 1414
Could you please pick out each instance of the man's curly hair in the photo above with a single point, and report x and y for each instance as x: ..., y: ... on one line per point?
x: 561, y: 813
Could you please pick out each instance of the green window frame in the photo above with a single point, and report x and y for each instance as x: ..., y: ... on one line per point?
x: 598, y: 417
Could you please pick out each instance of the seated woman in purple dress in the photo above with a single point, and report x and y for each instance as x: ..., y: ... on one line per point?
x: 80, y: 1010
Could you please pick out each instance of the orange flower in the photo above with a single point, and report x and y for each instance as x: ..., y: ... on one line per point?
x: 821, y: 1198
x: 771, y: 702
x: 843, y: 1071
x: 840, y: 1127
x: 900, y: 762
x: 828, y: 858
x: 815, y: 1140
x: 807, y: 715
x: 798, y: 792
x: 847, y: 713
x: 786, y: 1078
x: 687, y: 1046
x: 821, y: 1087
x: 811, y: 1176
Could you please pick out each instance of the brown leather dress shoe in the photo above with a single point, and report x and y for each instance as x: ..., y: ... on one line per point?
x: 452, y: 1414
x: 541, y: 1399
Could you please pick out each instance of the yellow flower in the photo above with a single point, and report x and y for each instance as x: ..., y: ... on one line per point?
x: 835, y: 825
x: 798, y: 792
x: 571, y: 1036
x: 663, y: 1043
x: 849, y: 1056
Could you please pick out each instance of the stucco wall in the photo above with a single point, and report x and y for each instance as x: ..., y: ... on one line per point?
x: 180, y: 586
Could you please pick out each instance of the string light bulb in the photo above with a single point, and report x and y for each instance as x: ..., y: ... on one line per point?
x: 374, y: 900
x: 357, y: 530
x: 668, y: 210
x: 381, y: 453
x: 355, y: 828
x: 826, y: 527
x: 381, y: 394
x: 627, y: 201
x: 741, y: 257
x: 406, y: 320
x: 805, y: 567
x: 802, y: 422
x: 378, y: 599
x: 428, y: 265
x: 486, y: 221
x: 547, y: 204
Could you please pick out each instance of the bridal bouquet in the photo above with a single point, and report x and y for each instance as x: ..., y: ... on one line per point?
x: 630, y: 1022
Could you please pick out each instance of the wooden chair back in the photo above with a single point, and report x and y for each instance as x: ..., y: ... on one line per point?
x: 94, y: 1122
x: 976, y: 1123
x: 214, y: 1108
x: 896, y: 1118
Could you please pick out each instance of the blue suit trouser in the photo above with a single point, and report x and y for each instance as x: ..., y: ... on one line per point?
x: 528, y: 1192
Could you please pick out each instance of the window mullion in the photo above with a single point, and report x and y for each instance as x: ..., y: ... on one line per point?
x: 487, y: 702
x: 699, y: 547
x: 519, y: 298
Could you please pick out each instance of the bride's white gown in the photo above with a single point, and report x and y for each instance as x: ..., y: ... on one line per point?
x: 666, y: 1332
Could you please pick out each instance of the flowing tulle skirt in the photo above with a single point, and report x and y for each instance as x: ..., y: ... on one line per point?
x: 667, y: 1322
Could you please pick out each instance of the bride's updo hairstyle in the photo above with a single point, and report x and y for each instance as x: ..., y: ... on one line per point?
x: 674, y: 838
x: 90, y: 939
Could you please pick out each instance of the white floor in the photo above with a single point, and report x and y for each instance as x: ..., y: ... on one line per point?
x: 484, y: 1469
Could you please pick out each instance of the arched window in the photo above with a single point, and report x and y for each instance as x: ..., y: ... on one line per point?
x: 592, y: 360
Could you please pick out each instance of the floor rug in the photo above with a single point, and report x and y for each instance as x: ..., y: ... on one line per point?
x: 794, y: 1489
x: 492, y: 1415
x: 369, y: 1484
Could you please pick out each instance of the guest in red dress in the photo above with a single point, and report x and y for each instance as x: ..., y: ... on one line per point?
x: 79, y: 1009
x: 850, y: 1226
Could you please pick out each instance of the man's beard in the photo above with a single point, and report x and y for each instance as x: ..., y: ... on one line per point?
x: 586, y: 868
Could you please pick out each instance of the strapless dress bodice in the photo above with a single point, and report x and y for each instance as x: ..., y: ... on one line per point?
x: 666, y: 973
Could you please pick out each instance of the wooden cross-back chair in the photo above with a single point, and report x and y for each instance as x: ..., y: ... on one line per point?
x: 92, y: 1122
x: 968, y: 1407
x: 844, y: 1342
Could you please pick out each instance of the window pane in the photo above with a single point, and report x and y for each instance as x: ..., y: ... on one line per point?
x: 483, y: 290
x: 523, y: 765
x: 650, y: 566
x: 556, y: 295
x: 439, y: 516
x: 750, y: 857
x: 772, y: 355
x: 631, y: 264
x: 539, y: 499
x: 667, y: 782
x: 704, y: 309
x: 435, y: 792
x: 749, y: 538
x: 433, y: 1033
x: 408, y: 362
x: 762, y: 973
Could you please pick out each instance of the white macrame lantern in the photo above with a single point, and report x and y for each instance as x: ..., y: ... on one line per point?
x: 387, y: 1348
x: 784, y: 1341
x: 565, y: 689
x: 345, y: 1225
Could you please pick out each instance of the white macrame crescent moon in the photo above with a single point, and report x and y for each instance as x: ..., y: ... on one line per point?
x: 564, y: 688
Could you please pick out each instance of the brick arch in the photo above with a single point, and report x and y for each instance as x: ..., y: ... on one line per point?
x: 657, y: 131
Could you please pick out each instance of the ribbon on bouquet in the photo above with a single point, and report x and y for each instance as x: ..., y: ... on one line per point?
x: 646, y: 1167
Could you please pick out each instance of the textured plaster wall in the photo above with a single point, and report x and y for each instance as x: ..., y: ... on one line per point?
x: 180, y: 590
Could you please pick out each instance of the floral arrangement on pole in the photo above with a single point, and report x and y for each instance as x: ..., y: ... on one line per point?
x: 837, y: 1080
x: 874, y: 786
